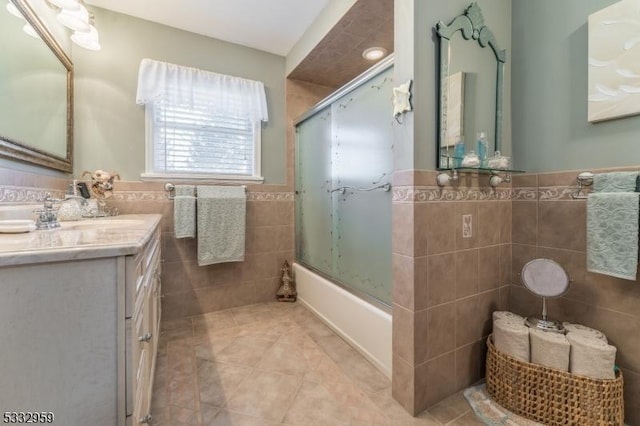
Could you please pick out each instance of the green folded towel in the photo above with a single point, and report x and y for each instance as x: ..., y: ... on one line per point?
x: 612, y: 225
x: 615, y: 182
x: 221, y: 221
x: 184, y: 211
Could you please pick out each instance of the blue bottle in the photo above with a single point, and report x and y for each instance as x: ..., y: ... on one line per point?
x: 458, y: 152
x: 481, y: 148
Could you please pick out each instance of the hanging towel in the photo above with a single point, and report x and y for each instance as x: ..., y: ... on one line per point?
x: 221, y: 222
x: 583, y: 329
x: 184, y: 211
x: 612, y: 234
x: 549, y: 349
x: 591, y: 357
x: 615, y: 182
x: 511, y: 338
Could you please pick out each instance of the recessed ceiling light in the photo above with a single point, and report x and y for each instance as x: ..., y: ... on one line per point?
x: 374, y: 53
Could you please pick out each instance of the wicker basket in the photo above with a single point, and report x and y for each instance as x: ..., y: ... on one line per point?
x: 550, y: 396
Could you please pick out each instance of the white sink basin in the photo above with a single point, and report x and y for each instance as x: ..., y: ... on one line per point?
x: 115, y: 224
x: 16, y: 226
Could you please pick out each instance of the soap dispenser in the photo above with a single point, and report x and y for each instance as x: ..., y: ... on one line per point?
x: 71, y: 206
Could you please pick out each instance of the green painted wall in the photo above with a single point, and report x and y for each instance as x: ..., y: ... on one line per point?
x: 109, y: 126
x: 550, y: 127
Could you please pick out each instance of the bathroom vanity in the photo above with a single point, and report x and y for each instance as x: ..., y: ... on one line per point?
x: 79, y: 320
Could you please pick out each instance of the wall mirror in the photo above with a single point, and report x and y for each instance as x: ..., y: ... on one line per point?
x: 470, y: 85
x: 36, y: 92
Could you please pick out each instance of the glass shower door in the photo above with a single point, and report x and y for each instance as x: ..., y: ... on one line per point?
x: 343, y: 224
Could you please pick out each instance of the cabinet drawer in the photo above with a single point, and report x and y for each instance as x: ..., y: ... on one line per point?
x: 137, y: 268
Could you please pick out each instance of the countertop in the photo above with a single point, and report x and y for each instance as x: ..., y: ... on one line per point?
x: 84, y: 239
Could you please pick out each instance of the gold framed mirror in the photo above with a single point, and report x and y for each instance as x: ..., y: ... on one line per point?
x: 36, y: 92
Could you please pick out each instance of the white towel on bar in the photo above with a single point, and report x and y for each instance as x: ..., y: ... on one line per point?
x: 549, y: 349
x: 221, y: 222
x: 511, y: 338
x: 184, y: 211
x: 591, y: 357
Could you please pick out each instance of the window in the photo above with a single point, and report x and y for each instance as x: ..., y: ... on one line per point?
x: 200, y: 124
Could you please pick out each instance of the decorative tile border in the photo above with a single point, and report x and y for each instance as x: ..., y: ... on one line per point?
x: 22, y: 195
x: 553, y: 193
x: 163, y: 196
x: 525, y: 194
x: 418, y: 194
x: 270, y: 196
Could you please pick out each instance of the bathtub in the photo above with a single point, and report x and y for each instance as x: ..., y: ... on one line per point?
x: 364, y: 326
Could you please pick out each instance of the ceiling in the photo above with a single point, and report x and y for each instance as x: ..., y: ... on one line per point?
x: 275, y: 26
x: 337, y: 59
x: 272, y: 26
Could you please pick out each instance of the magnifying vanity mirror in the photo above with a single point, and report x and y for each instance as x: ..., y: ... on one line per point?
x: 471, y: 86
x: 36, y: 92
x: 545, y: 278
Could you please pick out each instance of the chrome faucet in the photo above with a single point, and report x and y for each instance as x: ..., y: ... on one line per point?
x: 47, y: 217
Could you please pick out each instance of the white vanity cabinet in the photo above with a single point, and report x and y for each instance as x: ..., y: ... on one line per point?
x: 79, y: 321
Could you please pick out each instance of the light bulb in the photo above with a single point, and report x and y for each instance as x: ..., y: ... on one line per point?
x: 89, y: 40
x: 30, y: 31
x: 76, y: 20
x: 14, y: 10
x: 374, y: 53
x: 71, y: 5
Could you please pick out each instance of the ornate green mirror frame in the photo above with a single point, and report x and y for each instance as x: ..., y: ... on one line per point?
x: 471, y: 26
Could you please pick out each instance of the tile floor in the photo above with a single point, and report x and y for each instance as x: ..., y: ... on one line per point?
x: 275, y: 364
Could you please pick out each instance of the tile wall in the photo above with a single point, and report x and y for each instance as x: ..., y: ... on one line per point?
x: 548, y: 223
x: 445, y: 287
x: 189, y: 289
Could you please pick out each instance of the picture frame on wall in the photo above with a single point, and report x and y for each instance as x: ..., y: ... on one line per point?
x: 614, y: 62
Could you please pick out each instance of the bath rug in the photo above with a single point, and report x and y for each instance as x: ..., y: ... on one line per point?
x: 490, y: 412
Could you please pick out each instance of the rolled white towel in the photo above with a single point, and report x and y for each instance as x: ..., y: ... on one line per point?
x: 549, y: 349
x: 591, y: 357
x: 510, y: 316
x: 511, y: 338
x: 583, y: 329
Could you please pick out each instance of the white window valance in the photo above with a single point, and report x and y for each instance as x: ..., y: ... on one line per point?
x: 179, y: 85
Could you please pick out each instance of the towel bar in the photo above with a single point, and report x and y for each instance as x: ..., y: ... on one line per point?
x: 170, y: 188
x: 584, y: 179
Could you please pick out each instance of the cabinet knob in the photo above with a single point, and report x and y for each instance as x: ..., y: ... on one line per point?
x: 146, y: 419
x: 145, y: 338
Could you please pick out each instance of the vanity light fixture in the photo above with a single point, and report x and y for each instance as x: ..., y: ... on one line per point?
x: 374, y: 53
